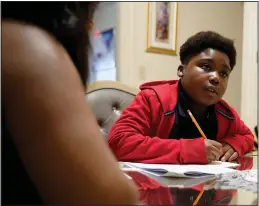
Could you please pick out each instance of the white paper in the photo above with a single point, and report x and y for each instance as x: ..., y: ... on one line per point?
x: 225, y: 164
x: 130, y: 169
x: 174, y: 170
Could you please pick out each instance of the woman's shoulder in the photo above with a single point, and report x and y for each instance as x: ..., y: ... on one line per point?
x: 23, y: 41
x: 31, y: 53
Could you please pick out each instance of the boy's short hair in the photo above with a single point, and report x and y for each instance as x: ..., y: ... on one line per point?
x: 204, y: 40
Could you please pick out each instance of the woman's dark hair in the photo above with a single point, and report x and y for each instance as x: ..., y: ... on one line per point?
x: 67, y: 21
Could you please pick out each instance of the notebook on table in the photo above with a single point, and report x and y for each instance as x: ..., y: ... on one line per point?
x: 190, y: 170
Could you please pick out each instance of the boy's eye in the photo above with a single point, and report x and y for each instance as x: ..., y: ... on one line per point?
x: 205, y: 67
x: 224, y: 74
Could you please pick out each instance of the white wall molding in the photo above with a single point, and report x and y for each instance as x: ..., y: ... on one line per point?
x: 249, y: 109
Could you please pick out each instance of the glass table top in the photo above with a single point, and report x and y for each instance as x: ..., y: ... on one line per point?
x: 237, y: 188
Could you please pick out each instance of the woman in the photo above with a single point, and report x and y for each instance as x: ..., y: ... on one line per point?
x: 52, y: 149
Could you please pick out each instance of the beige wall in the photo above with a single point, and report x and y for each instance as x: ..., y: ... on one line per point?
x: 136, y: 66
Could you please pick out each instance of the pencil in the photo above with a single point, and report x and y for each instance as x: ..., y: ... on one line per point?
x: 204, y: 136
x: 196, y: 201
x: 196, y: 124
x: 198, y: 198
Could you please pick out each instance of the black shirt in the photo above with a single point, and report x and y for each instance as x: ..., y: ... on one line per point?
x: 184, y: 127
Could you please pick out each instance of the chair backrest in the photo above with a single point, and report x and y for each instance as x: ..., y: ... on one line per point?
x: 107, y: 100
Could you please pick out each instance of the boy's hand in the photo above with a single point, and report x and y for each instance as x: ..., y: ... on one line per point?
x: 214, y: 150
x: 229, y: 154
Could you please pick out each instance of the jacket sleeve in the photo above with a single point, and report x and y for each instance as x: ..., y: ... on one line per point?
x: 131, y: 137
x: 246, y: 163
x: 241, y: 139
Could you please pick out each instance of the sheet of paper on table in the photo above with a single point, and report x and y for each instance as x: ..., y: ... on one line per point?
x: 190, y: 171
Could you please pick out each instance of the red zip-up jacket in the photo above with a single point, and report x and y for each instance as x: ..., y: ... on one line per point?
x: 141, y: 133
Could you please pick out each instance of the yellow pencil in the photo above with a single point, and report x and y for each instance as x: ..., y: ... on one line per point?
x: 196, y: 201
x: 198, y: 198
x: 196, y: 124
x: 204, y: 136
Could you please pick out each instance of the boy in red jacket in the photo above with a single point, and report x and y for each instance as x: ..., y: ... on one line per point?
x: 156, y: 128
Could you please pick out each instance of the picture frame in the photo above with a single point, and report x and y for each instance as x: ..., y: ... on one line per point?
x: 162, y: 20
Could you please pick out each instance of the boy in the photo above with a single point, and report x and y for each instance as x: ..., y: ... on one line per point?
x: 156, y: 127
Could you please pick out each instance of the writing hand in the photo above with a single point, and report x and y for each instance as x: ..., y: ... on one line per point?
x: 229, y: 154
x: 213, y: 149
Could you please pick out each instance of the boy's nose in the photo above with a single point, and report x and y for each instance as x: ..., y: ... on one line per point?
x: 214, y: 78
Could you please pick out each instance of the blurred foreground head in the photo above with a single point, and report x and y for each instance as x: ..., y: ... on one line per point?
x: 68, y: 22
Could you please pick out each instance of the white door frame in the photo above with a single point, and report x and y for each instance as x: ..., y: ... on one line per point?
x: 249, y: 111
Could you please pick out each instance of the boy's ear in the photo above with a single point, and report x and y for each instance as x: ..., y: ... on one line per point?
x: 180, y: 71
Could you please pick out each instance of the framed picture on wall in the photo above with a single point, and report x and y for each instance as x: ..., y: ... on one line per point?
x: 162, y: 27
